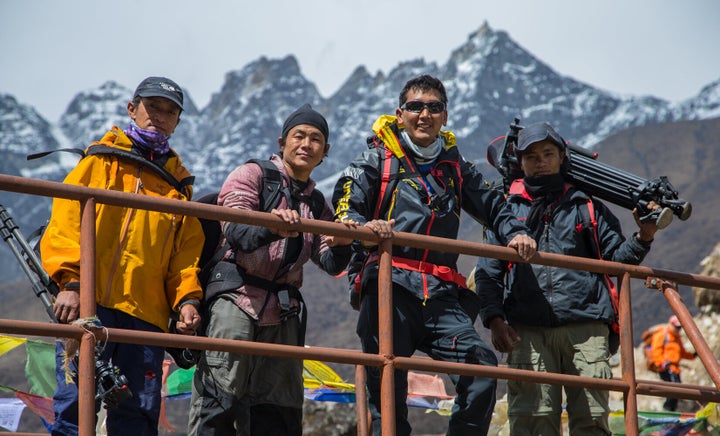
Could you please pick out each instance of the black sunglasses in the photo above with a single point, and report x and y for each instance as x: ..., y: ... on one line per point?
x: 417, y: 106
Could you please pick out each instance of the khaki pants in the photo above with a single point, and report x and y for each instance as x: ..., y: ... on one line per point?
x: 231, y: 390
x: 576, y: 349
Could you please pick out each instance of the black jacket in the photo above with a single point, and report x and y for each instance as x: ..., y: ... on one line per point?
x: 542, y: 295
x: 415, y: 209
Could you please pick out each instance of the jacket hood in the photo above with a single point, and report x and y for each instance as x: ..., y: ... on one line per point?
x: 383, y: 128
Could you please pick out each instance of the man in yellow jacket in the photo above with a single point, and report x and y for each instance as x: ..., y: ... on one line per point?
x: 666, y: 351
x: 146, y: 264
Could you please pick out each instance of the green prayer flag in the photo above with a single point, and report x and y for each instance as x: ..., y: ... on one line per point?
x: 180, y: 381
x: 40, y: 368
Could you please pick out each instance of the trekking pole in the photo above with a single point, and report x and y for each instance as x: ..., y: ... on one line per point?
x: 42, y: 285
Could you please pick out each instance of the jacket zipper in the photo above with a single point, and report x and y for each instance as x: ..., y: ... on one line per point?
x: 121, y: 244
x: 549, y: 285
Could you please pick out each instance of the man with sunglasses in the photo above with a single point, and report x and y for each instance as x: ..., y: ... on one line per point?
x: 413, y: 179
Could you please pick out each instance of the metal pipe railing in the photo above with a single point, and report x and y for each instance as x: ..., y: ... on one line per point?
x: 627, y: 360
x: 691, y: 330
x: 86, y: 362
x: 629, y: 385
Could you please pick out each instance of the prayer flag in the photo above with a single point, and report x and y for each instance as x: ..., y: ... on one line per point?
x: 10, y: 412
x: 7, y: 343
x: 40, y: 368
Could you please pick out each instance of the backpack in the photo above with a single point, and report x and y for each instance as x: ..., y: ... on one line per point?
x: 590, y: 222
x: 647, y: 337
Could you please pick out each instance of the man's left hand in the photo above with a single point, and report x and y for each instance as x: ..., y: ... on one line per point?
x: 189, y: 320
x: 525, y: 246
x: 335, y: 241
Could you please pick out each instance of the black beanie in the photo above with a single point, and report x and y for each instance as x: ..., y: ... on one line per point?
x: 305, y: 114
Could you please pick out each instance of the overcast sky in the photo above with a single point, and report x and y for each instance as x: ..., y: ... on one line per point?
x: 53, y: 49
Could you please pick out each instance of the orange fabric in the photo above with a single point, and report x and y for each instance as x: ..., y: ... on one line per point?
x: 666, y: 346
x: 426, y: 385
x: 163, y: 421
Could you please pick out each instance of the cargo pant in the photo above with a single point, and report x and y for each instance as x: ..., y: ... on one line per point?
x: 576, y: 349
x: 242, y: 394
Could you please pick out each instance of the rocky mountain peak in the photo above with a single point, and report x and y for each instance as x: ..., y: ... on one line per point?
x: 490, y: 80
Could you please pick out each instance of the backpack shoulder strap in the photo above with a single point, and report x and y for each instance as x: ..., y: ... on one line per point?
x: 273, y: 187
x: 78, y: 151
x: 389, y: 168
x: 591, y: 222
x: 387, y: 162
x: 608, y: 281
x: 272, y: 184
x: 179, y: 185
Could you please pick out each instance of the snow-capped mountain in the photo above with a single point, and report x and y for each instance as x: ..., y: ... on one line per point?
x: 490, y: 79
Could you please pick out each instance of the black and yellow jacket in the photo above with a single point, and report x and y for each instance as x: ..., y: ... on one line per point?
x: 414, y: 202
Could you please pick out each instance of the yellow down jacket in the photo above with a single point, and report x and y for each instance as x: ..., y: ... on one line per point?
x: 146, y: 261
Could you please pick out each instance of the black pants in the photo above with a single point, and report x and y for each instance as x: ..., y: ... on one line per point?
x: 441, y: 329
x: 669, y: 376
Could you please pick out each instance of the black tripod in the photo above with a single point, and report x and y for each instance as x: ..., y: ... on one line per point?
x: 111, y: 386
x: 45, y: 288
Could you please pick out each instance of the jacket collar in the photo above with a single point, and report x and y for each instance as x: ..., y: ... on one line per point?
x: 116, y: 138
x: 386, y: 128
x: 518, y: 188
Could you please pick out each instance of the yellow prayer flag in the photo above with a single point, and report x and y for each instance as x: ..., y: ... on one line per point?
x: 7, y: 343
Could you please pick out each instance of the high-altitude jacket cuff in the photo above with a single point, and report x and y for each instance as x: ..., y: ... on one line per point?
x: 645, y: 244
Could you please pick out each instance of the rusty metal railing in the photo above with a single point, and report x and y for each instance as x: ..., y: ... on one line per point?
x: 665, y: 281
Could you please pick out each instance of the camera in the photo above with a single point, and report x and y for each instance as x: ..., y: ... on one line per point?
x: 111, y: 386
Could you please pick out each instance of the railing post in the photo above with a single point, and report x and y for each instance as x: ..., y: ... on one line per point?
x: 86, y: 365
x: 361, y: 410
x: 385, y: 337
x: 686, y: 320
x: 627, y: 356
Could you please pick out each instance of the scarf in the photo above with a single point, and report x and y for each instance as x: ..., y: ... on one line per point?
x: 424, y: 155
x: 545, y: 192
x: 147, y: 140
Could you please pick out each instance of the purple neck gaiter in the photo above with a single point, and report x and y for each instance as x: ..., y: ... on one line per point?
x: 148, y: 140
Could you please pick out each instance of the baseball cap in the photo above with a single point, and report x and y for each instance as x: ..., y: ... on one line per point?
x: 674, y: 321
x: 160, y: 87
x: 535, y: 133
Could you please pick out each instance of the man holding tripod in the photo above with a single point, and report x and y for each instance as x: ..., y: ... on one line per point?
x: 553, y: 319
